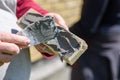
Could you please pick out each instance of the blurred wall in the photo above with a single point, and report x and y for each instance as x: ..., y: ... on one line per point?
x: 68, y: 9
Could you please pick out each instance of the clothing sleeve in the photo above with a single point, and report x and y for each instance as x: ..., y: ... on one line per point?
x: 91, y: 15
x: 25, y: 5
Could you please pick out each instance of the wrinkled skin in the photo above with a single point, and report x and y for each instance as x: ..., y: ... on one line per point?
x: 10, y: 45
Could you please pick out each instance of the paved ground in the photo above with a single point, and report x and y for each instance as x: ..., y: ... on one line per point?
x: 51, y: 69
x: 63, y: 74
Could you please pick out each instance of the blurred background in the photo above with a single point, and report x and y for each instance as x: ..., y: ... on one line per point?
x: 54, y: 68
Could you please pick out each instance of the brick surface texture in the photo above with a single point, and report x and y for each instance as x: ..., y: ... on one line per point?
x: 68, y: 9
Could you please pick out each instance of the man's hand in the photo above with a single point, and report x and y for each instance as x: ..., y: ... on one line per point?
x: 10, y: 45
x: 58, y: 19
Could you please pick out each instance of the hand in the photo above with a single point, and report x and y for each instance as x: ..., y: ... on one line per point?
x: 58, y: 19
x: 44, y: 49
x: 10, y: 45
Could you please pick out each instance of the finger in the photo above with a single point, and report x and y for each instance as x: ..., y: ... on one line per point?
x: 5, y: 57
x: 1, y: 63
x: 44, y: 49
x: 61, y: 22
x: 9, y: 48
x: 13, y: 38
x: 63, y: 25
x: 58, y: 19
x: 39, y: 48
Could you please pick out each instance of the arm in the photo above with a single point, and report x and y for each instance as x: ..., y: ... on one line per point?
x: 24, y: 5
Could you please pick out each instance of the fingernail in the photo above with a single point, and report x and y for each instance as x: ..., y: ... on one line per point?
x: 28, y: 42
x: 18, y: 51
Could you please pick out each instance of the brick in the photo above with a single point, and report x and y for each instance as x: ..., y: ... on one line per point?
x: 68, y: 9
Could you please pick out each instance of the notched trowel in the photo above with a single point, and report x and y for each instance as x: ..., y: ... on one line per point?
x: 42, y: 30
